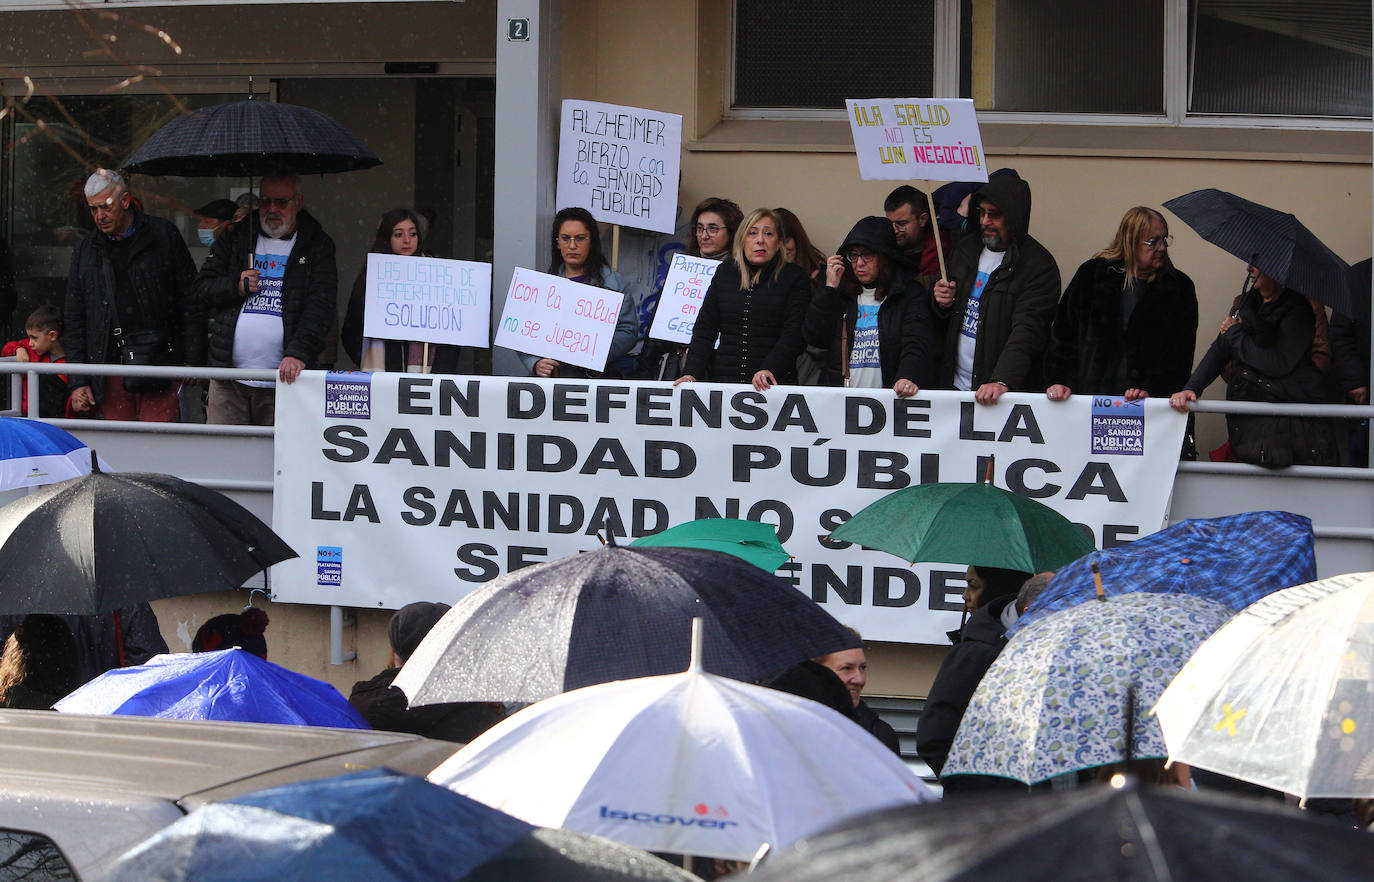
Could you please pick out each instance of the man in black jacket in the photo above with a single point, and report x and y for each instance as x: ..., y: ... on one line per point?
x: 385, y: 707
x: 128, y: 301
x: 1000, y: 298
x: 851, y: 666
x: 270, y: 290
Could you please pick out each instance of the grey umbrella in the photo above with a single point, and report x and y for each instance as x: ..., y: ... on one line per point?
x: 1273, y: 241
x: 612, y: 614
x: 95, y: 543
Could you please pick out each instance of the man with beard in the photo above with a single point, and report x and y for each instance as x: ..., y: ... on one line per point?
x: 270, y: 291
x: 1000, y: 298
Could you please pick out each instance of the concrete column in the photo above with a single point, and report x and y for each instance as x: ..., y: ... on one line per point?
x: 527, y: 106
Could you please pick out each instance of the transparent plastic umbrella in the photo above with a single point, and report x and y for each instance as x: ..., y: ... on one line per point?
x: 1282, y: 696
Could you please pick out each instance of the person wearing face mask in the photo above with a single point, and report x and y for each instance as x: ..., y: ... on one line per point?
x: 399, y: 231
x: 1127, y: 322
x: 871, y: 316
x: 756, y: 304
x: 214, y: 217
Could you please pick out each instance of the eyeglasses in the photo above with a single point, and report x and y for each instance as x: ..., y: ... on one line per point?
x: 574, y: 240
x: 992, y: 214
x: 860, y: 256
x: 1166, y: 241
x: 277, y: 202
x: 108, y: 205
x: 710, y: 229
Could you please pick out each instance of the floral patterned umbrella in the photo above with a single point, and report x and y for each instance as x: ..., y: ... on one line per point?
x: 1055, y: 701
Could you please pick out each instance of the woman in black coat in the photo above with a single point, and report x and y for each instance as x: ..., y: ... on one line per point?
x: 399, y: 231
x: 871, y: 316
x: 1127, y: 323
x: 1268, y: 345
x: 756, y: 304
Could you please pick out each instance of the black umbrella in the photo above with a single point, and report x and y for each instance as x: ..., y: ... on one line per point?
x: 103, y: 541
x: 252, y: 137
x: 1273, y: 241
x: 1122, y: 832
x: 612, y: 614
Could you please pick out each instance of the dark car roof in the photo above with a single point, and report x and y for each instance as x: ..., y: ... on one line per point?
x: 96, y: 785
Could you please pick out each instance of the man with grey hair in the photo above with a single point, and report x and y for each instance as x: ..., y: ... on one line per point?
x: 128, y: 302
x: 270, y: 290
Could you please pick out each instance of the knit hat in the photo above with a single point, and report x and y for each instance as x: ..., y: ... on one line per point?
x: 244, y: 630
x: 411, y: 623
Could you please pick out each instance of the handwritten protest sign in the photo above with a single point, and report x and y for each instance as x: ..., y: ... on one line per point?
x: 427, y: 299
x: 904, y: 139
x: 683, y: 290
x: 620, y: 163
x: 551, y: 317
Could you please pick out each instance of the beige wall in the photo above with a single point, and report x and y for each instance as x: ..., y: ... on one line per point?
x: 619, y: 51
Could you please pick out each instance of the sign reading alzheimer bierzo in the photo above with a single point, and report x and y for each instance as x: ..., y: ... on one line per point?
x: 427, y: 299
x: 909, y: 139
x: 552, y: 317
x: 620, y: 163
x: 684, y: 289
x: 412, y: 487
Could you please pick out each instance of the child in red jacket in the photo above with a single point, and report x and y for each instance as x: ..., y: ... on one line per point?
x: 43, y: 344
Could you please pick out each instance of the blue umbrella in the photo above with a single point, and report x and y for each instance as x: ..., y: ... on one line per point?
x: 1233, y: 560
x: 34, y: 453
x: 227, y: 685
x: 376, y: 826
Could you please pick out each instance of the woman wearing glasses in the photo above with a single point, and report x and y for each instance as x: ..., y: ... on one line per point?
x: 1127, y: 322
x: 577, y: 256
x: 714, y: 222
x: 755, y: 305
x: 871, y: 316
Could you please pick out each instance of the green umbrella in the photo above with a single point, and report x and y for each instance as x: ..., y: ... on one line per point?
x: 755, y: 542
x: 975, y: 524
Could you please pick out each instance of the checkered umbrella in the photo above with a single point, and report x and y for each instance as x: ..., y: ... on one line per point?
x: 1274, y: 241
x: 1234, y: 560
x: 251, y: 137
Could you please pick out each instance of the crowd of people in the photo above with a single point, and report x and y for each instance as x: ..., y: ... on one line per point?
x: 942, y: 291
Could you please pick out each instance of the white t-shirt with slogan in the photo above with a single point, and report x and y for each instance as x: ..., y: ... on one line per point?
x: 258, y: 334
x: 865, y: 370
x: 968, y: 330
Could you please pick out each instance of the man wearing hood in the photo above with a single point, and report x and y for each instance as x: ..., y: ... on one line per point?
x: 999, y: 300
x: 128, y: 301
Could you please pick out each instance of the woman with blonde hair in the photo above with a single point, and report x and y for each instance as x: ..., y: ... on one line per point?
x: 756, y: 305
x: 1127, y: 323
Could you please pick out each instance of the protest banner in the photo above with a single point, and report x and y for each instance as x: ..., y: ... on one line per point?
x: 683, y: 290
x: 396, y: 487
x: 427, y: 299
x: 620, y: 163
x: 905, y: 139
x: 552, y: 317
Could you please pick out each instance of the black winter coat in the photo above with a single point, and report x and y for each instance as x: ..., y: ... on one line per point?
x: 1270, y: 352
x: 1350, y: 336
x: 1017, y: 303
x: 877, y: 727
x: 760, y: 328
x: 386, y: 708
x: 1088, y: 344
x: 160, y: 273
x: 309, y: 291
x: 906, y: 333
x: 983, y: 637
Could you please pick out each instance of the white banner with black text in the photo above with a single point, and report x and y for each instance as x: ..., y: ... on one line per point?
x: 398, y: 487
